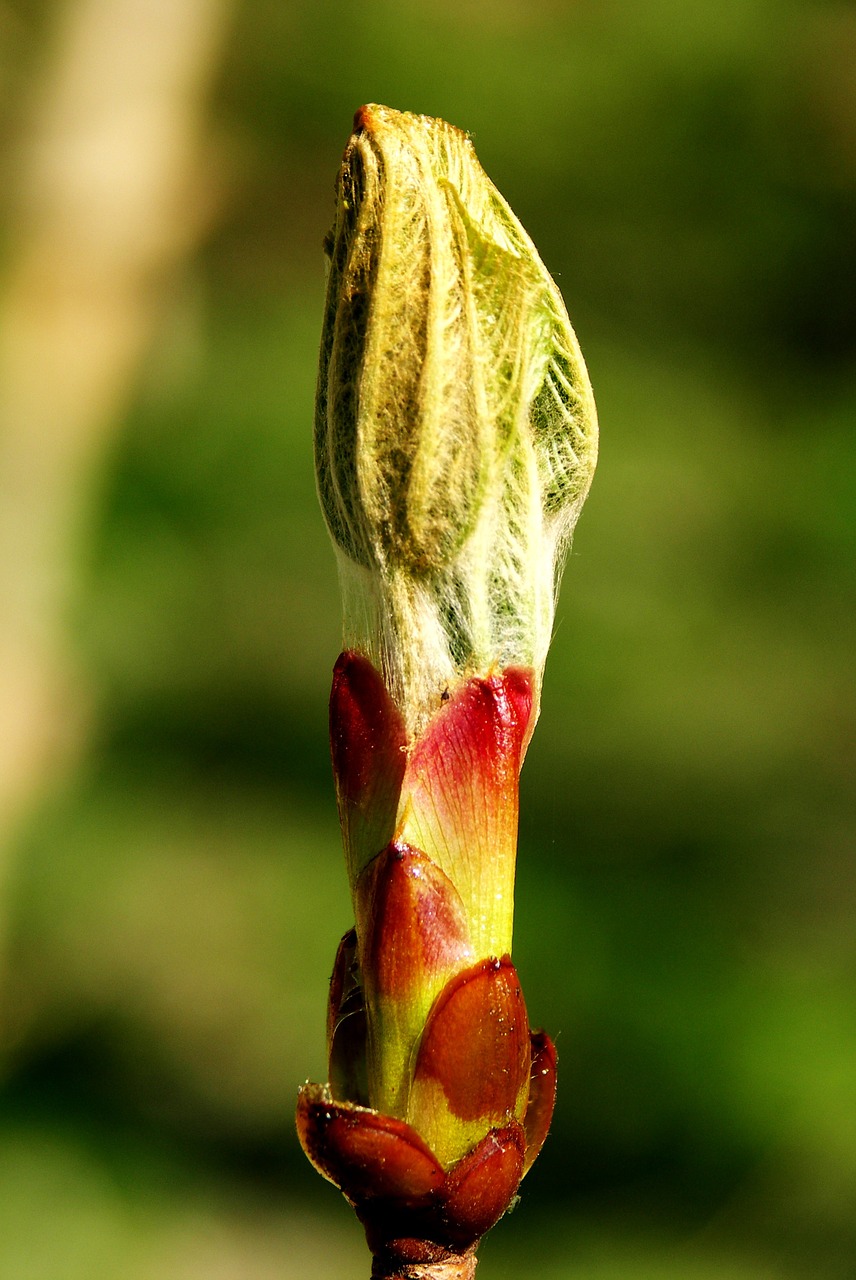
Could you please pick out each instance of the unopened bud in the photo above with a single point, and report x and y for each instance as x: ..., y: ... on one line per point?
x: 455, y: 435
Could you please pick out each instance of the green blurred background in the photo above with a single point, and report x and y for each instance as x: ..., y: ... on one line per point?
x: 172, y: 887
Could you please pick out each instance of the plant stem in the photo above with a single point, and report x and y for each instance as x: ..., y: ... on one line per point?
x: 453, y: 1267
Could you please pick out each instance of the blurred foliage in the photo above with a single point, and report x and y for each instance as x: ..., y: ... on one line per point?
x: 687, y: 886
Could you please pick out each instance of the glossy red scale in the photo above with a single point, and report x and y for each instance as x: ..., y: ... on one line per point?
x: 476, y: 1043
x: 368, y: 742
x: 542, y: 1096
x: 480, y: 1188
x: 366, y: 1154
x: 412, y: 921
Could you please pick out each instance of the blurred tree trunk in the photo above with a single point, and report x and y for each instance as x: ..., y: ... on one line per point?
x: 107, y: 203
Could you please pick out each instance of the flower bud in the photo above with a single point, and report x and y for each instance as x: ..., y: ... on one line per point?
x: 455, y: 441
x: 455, y: 433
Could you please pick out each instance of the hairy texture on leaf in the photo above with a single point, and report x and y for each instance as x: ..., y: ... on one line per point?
x: 455, y: 431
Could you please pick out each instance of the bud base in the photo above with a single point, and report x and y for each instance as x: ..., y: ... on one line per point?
x: 414, y: 1260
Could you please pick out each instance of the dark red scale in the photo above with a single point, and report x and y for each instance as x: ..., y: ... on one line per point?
x: 476, y: 1041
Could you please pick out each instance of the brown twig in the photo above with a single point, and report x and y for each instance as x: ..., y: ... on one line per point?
x: 448, y: 1267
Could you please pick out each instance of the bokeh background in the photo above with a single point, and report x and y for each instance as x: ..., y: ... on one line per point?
x: 172, y: 892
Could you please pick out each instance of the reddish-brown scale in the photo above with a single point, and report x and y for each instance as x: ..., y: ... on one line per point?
x: 482, y: 1185
x: 348, y: 1067
x: 368, y: 743
x: 366, y: 1154
x: 476, y: 1042
x: 542, y: 1096
x: 483, y: 727
x: 343, y: 979
x: 411, y: 919
x: 519, y: 688
x: 460, y: 796
x: 347, y: 1029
